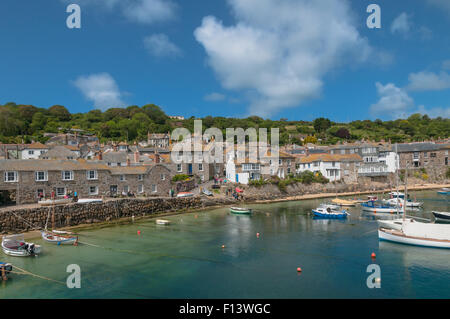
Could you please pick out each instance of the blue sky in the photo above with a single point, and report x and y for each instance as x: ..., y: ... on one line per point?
x: 295, y: 59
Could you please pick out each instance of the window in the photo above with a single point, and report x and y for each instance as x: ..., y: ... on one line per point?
x: 125, y: 189
x: 432, y: 154
x: 30, y: 152
x: 93, y: 190
x: 200, y: 167
x: 40, y: 193
x: 163, y: 177
x: 179, y: 168
x: 333, y: 164
x: 91, y: 175
x: 154, y: 188
x: 11, y: 177
x: 202, y: 178
x: 67, y: 175
x: 140, y: 177
x: 140, y: 188
x: 60, y: 191
x: 122, y: 178
x: 280, y: 161
x: 289, y: 170
x: 41, y: 176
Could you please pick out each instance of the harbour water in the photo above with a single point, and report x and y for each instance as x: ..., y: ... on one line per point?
x: 186, y: 260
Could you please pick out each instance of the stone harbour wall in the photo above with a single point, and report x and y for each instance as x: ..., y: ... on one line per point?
x: 19, y: 220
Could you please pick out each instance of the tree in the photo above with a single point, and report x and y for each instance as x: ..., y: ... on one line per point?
x: 343, y: 133
x: 155, y: 113
x: 321, y: 124
x: 60, y: 112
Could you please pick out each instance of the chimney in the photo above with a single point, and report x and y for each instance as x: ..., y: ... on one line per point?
x: 157, y: 159
x: 66, y: 139
x: 128, y: 161
x: 100, y: 155
x: 136, y: 156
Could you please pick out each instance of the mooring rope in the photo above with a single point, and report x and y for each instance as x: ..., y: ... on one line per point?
x: 28, y: 223
x: 25, y: 272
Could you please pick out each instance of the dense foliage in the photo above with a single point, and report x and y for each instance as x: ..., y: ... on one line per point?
x: 26, y: 122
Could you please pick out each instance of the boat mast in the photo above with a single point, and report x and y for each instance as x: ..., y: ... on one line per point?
x: 406, y: 192
x: 397, y: 166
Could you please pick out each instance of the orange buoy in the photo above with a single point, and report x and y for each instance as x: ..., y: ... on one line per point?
x: 299, y: 269
x: 373, y: 256
x: 223, y: 246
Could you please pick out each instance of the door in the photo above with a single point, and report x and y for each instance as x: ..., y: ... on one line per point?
x: 113, y: 190
x: 190, y: 169
x: 237, y: 178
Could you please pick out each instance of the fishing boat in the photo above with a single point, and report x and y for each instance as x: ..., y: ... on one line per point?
x: 49, y: 202
x: 444, y: 191
x: 162, y: 222
x: 59, y: 237
x: 376, y: 208
x: 15, y: 245
x: 89, y: 200
x: 207, y: 192
x: 325, y: 211
x: 185, y: 194
x: 442, y: 216
x: 344, y: 202
x: 400, y: 202
x: 240, y: 210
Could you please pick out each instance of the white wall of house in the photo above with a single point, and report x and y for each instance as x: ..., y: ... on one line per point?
x: 32, y: 153
x: 391, y: 160
x: 330, y: 170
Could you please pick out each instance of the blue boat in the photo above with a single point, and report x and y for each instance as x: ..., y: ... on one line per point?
x: 375, y: 208
x: 329, y: 213
x: 444, y: 191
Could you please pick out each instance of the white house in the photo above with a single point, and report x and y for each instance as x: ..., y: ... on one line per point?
x: 33, y: 151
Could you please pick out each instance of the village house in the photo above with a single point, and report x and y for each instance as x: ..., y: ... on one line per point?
x: 158, y: 140
x: 33, y: 150
x: 26, y: 180
x: 423, y: 155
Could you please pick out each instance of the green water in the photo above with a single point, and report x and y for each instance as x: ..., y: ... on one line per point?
x: 186, y: 260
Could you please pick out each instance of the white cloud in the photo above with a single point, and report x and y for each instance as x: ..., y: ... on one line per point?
x: 102, y: 89
x: 140, y: 11
x: 393, y: 102
x: 214, y: 97
x: 159, y: 45
x: 434, y: 112
x: 401, y: 24
x: 149, y: 11
x: 281, y: 61
x: 429, y: 81
x: 446, y: 65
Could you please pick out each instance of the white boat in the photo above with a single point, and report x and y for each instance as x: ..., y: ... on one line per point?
x: 442, y: 216
x: 185, y: 194
x: 331, y: 206
x: 49, y: 202
x: 391, y: 224
x: 162, y: 222
x: 15, y: 245
x: 400, y: 202
x: 59, y: 237
x: 89, y: 200
x: 418, y: 234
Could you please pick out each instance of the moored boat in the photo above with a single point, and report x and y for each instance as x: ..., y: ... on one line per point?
x: 344, y: 202
x: 207, y: 192
x: 59, y: 237
x: 185, y: 194
x: 375, y: 208
x: 400, y: 202
x: 325, y: 211
x: 162, y: 222
x: 240, y: 210
x: 444, y: 191
x: 15, y: 245
x: 89, y: 200
x: 442, y: 216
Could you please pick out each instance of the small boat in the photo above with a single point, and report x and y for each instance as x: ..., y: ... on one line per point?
x: 372, y: 207
x: 185, y: 194
x: 344, y: 202
x: 331, y: 206
x: 207, y: 192
x: 7, y: 267
x: 444, y: 191
x: 442, y: 216
x: 89, y: 200
x: 50, y: 202
x: 15, y: 245
x: 325, y: 211
x: 400, y: 202
x: 240, y: 210
x: 59, y: 237
x: 418, y: 234
x: 162, y: 222
x: 372, y: 198
x: 391, y: 224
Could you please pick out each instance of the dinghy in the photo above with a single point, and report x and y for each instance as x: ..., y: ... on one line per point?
x: 59, y: 237
x: 442, y: 216
x: 185, y: 194
x: 15, y: 245
x: 89, y: 200
x: 162, y: 222
x: 207, y: 192
x: 444, y: 191
x: 240, y: 210
x: 344, y: 202
x: 325, y: 211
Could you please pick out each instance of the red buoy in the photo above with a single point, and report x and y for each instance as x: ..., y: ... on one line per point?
x: 373, y: 255
x: 257, y: 234
x: 299, y: 269
x: 139, y: 232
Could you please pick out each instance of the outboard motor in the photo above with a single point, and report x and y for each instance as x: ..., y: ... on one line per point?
x: 31, y: 249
